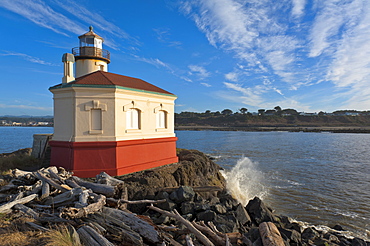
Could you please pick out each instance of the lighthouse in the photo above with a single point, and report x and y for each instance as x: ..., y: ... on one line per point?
x: 108, y: 122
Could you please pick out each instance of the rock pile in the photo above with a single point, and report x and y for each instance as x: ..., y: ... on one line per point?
x: 180, y: 204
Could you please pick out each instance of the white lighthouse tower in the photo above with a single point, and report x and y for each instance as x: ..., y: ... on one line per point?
x: 109, y: 122
x: 90, y: 56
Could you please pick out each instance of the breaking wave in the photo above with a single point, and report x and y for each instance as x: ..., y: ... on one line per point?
x: 245, y: 181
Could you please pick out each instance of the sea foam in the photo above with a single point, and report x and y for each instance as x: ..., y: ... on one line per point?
x: 245, y: 181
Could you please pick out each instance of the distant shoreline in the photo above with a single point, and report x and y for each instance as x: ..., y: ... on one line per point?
x: 340, y: 129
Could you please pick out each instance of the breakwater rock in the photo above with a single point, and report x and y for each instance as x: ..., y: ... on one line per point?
x: 179, y: 204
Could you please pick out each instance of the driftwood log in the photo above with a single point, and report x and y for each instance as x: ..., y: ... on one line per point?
x: 185, y: 222
x: 104, y: 178
x: 103, y: 189
x: 138, y: 225
x: 72, y: 212
x: 91, y: 237
x: 270, y: 234
x: 6, y: 208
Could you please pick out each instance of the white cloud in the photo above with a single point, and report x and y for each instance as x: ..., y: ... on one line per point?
x: 28, y: 58
x: 232, y: 76
x: 199, y: 71
x: 298, y: 8
x: 206, y: 84
x: 42, y: 15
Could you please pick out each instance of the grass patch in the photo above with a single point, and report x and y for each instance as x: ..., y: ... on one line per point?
x: 20, y: 161
x: 63, y: 236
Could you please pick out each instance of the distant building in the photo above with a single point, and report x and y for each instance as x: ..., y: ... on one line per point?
x: 109, y: 122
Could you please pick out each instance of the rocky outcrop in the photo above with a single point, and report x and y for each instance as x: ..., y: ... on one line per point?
x: 193, y: 169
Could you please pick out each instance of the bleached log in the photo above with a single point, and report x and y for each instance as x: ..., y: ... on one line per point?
x: 16, y: 196
x: 36, y: 188
x: 71, y: 183
x: 86, y: 238
x: 138, y: 225
x: 41, y: 176
x: 103, y: 189
x: 73, y: 213
x: 116, y: 227
x: 37, y: 227
x: 82, y: 199
x: 104, y: 178
x: 94, y: 235
x: 171, y: 240
x: 189, y: 241
x: 270, y: 234
x: 187, y: 223
x: 227, y: 241
x: 28, y: 211
x: 8, y: 187
x: 45, y: 190
x: 116, y: 203
x: 53, y: 172
x: 6, y: 208
x: 65, y: 198
x: 20, y: 173
x: 219, y: 241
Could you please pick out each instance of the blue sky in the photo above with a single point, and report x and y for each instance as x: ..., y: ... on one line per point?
x: 213, y: 54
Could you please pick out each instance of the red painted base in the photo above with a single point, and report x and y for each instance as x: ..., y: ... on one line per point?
x: 87, y: 159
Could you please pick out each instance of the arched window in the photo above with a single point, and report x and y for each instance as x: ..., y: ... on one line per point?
x: 161, y: 119
x: 133, y: 119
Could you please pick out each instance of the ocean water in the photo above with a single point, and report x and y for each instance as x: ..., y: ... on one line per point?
x: 14, y: 138
x: 319, y: 178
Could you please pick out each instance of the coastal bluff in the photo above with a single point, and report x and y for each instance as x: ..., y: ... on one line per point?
x: 185, y: 203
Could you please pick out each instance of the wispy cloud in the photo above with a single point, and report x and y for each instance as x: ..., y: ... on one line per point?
x: 199, y: 71
x: 46, y: 16
x: 206, y: 84
x: 298, y: 8
x: 163, y: 35
x: 28, y: 58
x: 41, y: 14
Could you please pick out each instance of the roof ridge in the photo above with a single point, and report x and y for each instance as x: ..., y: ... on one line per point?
x: 103, y: 73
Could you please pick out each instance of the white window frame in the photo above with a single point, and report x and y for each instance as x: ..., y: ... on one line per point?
x: 161, y: 119
x: 133, y: 119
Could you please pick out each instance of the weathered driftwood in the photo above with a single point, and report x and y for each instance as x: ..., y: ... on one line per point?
x: 66, y: 198
x: 36, y: 188
x: 187, y: 223
x: 86, y: 238
x: 138, y: 225
x: 117, y: 203
x: 53, y: 172
x: 71, y: 183
x: 168, y: 237
x: 45, y: 190
x: 91, y: 237
x: 73, y: 213
x: 8, y: 187
x: 41, y: 176
x: 82, y: 199
x: 104, y: 178
x: 28, y: 211
x: 217, y: 240
x: 6, y: 208
x: 189, y: 241
x: 103, y: 189
x: 20, y: 173
x: 114, y: 226
x: 15, y: 197
x: 37, y: 227
x: 270, y: 234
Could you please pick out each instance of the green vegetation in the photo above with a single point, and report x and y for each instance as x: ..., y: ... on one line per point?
x: 20, y: 159
x: 276, y: 117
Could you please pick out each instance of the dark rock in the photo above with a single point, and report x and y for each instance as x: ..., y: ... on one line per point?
x: 253, y: 234
x: 214, y: 200
x: 338, y: 228
x: 242, y: 215
x: 226, y: 223
x: 206, y: 216
x: 292, y: 236
x: 187, y: 208
x: 331, y: 238
x: 168, y: 205
x: 294, y: 226
x: 321, y: 242
x: 220, y: 209
x: 358, y: 242
x: 258, y: 211
x: 310, y: 234
x: 202, y: 207
x: 184, y: 193
x: 188, y: 217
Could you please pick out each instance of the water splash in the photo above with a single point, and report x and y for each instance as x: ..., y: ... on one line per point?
x: 245, y: 181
